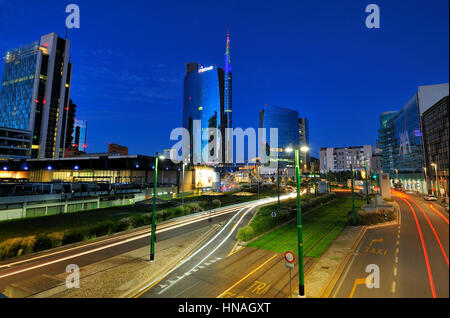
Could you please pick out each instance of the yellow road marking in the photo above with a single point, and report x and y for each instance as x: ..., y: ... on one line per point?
x: 233, y: 250
x: 358, y: 281
x: 246, y: 276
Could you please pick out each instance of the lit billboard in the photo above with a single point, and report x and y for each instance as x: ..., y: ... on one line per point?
x: 203, y: 178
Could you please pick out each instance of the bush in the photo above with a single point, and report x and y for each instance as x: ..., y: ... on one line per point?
x: 125, y: 224
x: 104, y: 228
x: 43, y: 242
x: 75, y: 235
x: 17, y: 246
x: 246, y: 233
x: 364, y: 218
x: 216, y: 203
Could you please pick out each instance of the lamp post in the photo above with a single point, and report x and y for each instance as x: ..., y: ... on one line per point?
x: 301, y: 286
x: 278, y: 187
x: 182, y: 187
x: 152, y: 242
x: 426, y: 178
x: 353, y: 197
x: 396, y: 172
x: 367, y: 184
x: 437, y: 183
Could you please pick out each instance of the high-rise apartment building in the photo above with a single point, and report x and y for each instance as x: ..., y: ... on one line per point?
x: 35, y: 93
x: 342, y: 159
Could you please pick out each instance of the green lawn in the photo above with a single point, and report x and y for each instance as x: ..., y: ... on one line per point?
x: 320, y: 228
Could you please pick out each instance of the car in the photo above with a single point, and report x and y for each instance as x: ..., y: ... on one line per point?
x: 430, y: 198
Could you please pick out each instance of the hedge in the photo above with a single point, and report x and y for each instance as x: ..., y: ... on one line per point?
x: 264, y: 221
x: 24, y: 245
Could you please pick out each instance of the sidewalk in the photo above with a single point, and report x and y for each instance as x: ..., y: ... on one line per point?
x: 120, y: 276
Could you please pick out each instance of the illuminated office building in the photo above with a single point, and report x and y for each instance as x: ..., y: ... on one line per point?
x: 35, y: 93
x: 207, y: 97
x: 401, y: 138
x: 287, y: 122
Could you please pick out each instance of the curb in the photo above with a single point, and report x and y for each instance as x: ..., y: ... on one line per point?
x: 328, y: 288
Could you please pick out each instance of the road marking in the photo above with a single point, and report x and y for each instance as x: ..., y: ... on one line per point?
x: 245, y: 277
x: 358, y: 281
x: 397, y: 250
x: 162, y: 286
x: 396, y: 260
x: 435, y: 210
x: 219, y: 245
x: 395, y: 270
x: 207, y: 264
x: 424, y: 249
x: 393, y: 287
x: 434, y: 232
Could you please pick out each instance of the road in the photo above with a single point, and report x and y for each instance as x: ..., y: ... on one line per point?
x: 412, y: 256
x: 54, y: 262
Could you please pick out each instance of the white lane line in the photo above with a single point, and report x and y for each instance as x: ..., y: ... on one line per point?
x: 130, y: 239
x: 217, y: 247
x: 393, y: 287
x: 396, y: 251
x: 396, y: 260
x: 395, y: 270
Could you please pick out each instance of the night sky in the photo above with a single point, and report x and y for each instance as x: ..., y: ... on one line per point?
x: 316, y: 57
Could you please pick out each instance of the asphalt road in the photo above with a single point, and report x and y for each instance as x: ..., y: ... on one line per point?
x: 412, y: 257
x: 54, y: 262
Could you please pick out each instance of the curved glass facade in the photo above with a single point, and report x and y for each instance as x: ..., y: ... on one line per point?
x: 287, y: 122
x: 407, y: 145
x: 203, y: 100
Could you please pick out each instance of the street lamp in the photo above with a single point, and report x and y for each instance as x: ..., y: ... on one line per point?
x: 353, y: 198
x: 367, y: 184
x: 301, y: 287
x: 426, y: 178
x: 152, y: 244
x: 437, y: 183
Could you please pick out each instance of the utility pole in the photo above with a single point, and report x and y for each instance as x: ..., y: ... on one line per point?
x: 367, y: 185
x: 301, y: 287
x: 152, y: 241
x: 353, y: 197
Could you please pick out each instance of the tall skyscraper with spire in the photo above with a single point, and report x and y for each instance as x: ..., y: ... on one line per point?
x: 227, y: 118
x: 228, y: 84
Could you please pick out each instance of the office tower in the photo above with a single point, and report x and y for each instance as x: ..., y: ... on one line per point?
x: 287, y: 122
x: 401, y: 138
x: 304, y: 139
x: 70, y: 124
x: 228, y: 109
x: 80, y: 135
x: 203, y: 108
x: 35, y: 93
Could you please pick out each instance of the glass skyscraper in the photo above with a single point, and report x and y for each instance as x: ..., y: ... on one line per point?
x: 400, y: 138
x: 287, y: 122
x: 35, y: 93
x: 207, y: 97
x: 203, y: 100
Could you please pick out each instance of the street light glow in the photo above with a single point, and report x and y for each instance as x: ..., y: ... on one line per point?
x: 289, y: 149
x: 304, y: 149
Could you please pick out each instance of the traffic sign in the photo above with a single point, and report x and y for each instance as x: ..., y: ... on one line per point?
x: 274, y: 214
x: 289, y: 257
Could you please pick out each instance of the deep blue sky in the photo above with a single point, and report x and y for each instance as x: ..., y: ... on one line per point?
x: 313, y: 56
